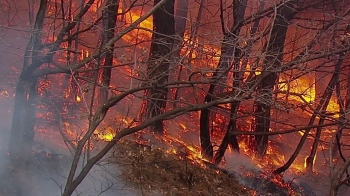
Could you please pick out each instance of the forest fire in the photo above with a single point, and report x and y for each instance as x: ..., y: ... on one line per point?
x: 253, y: 90
x: 272, y: 158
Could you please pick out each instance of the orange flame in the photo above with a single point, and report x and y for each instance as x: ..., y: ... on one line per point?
x: 78, y: 98
x: 193, y: 152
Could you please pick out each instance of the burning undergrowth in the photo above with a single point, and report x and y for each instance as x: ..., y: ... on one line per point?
x: 181, y: 170
x: 171, y: 173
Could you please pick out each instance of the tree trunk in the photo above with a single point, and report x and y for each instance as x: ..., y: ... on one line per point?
x: 109, y: 24
x: 24, y: 117
x: 67, y: 77
x: 159, y: 62
x: 238, y: 79
x: 228, y: 48
x: 326, y: 96
x: 343, y: 103
x: 344, y: 106
x: 274, y: 49
x: 228, y: 138
x: 180, y: 19
x: 310, y: 159
x: 180, y: 27
x: 239, y: 11
x: 24, y: 112
x: 251, y: 41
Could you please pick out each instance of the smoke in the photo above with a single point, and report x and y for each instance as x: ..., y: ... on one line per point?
x: 49, y: 164
x: 46, y: 175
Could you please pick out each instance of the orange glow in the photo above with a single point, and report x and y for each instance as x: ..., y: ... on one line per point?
x: 304, y: 86
x: 138, y: 35
x: 183, y: 126
x: 193, y: 152
x: 4, y: 93
x: 106, y: 134
x: 194, y: 50
x: 95, y: 6
x: 229, y: 149
x: 333, y: 107
x: 78, y: 98
x: 68, y: 130
x: 66, y: 94
x: 195, y: 54
x: 313, y: 162
x: 84, y: 54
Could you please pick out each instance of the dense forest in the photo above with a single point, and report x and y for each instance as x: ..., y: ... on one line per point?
x: 239, y: 75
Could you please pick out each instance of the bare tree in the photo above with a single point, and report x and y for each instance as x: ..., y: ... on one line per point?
x: 159, y: 61
x: 265, y: 42
x: 22, y: 130
x: 109, y: 25
x: 239, y: 11
x: 271, y: 63
x: 229, y: 48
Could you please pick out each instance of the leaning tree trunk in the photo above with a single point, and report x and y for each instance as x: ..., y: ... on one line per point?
x: 159, y: 62
x: 219, y: 76
x: 324, y: 99
x: 109, y: 24
x: 343, y: 103
x: 310, y: 159
x: 24, y: 112
x: 239, y: 11
x: 238, y: 79
x: 344, y: 106
x: 274, y: 49
x: 228, y: 48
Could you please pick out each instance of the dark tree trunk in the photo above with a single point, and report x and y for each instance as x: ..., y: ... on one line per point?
x: 344, y: 106
x: 109, y: 24
x: 238, y: 79
x: 67, y: 77
x: 239, y: 11
x: 310, y: 159
x: 205, y: 114
x: 180, y: 20
x: 159, y: 62
x: 251, y: 41
x: 228, y: 49
x: 180, y: 27
x: 23, y: 120
x: 274, y: 49
x: 228, y: 138
x: 343, y: 103
x: 24, y: 112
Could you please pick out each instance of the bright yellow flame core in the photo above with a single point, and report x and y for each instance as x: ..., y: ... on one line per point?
x: 78, y: 98
x: 193, y: 153
x: 105, y: 135
x: 305, y: 86
x: 143, y: 33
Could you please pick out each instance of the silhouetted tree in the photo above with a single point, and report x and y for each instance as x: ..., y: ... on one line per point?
x: 159, y: 62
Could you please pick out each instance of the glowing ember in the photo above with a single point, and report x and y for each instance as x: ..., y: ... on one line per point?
x: 78, y: 98
x: 106, y: 134
x: 192, y: 152
x: 305, y: 86
x: 4, y: 93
